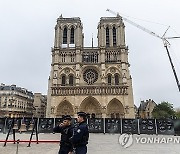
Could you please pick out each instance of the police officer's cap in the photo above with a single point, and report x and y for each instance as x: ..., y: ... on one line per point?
x: 81, y: 114
x: 67, y: 117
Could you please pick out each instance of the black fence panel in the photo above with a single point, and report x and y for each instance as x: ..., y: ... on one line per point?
x: 2, y: 124
x: 130, y: 126
x: 147, y: 126
x: 46, y: 125
x: 9, y: 122
x: 96, y: 125
x: 58, y: 121
x: 165, y: 126
x: 112, y: 125
x: 29, y: 122
x: 100, y: 125
x: 177, y: 126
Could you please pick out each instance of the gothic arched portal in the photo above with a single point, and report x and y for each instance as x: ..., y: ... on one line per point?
x: 115, y: 109
x: 64, y: 108
x: 92, y: 107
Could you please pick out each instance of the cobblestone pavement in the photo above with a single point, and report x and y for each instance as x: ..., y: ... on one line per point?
x: 98, y: 144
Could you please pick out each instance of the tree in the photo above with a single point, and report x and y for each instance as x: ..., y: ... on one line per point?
x: 177, y: 113
x: 163, y: 110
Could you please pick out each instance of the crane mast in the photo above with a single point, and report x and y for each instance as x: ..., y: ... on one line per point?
x: 163, y: 38
x: 173, y: 68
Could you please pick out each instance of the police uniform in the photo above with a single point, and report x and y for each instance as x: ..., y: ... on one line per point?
x: 66, y: 134
x: 80, y: 136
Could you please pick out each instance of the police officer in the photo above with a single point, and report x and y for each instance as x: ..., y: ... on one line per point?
x: 66, y: 131
x: 80, y: 134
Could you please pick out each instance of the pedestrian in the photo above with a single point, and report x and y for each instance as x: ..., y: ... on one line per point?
x: 66, y: 130
x: 80, y: 134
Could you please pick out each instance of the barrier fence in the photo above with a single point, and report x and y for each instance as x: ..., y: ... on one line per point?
x: 102, y: 125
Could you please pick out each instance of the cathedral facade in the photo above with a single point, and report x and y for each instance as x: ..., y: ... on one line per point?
x: 95, y: 80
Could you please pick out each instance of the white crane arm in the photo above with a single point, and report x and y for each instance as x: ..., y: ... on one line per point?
x: 133, y: 23
x: 163, y: 38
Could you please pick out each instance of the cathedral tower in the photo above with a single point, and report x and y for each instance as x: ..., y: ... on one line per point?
x: 95, y: 80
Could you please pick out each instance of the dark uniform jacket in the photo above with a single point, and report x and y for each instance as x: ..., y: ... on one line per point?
x: 80, y: 135
x: 66, y: 134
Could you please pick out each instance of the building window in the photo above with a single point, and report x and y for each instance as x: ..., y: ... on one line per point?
x: 90, y: 57
x: 114, y: 36
x: 109, y: 79
x: 63, y: 58
x: 72, y: 36
x: 72, y: 57
x: 65, y: 36
x: 90, y: 76
x: 116, y: 79
x: 63, y: 83
x: 71, y: 80
x: 5, y: 103
x: 107, y: 36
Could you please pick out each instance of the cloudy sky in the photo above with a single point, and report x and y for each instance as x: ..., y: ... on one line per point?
x: 27, y: 35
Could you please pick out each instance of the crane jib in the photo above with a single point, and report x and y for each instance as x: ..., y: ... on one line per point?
x: 163, y: 38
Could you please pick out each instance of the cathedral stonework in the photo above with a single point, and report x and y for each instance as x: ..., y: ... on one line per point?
x: 95, y: 80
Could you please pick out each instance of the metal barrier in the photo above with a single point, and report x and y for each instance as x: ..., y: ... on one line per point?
x: 2, y: 124
x: 46, y: 125
x: 130, y: 126
x: 176, y: 123
x: 13, y: 126
x: 165, y: 126
x: 112, y: 125
x: 96, y: 125
x: 147, y: 126
x: 101, y: 125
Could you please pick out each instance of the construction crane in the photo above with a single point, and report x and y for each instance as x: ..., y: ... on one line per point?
x: 163, y: 38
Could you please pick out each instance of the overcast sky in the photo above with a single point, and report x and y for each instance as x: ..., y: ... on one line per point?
x: 27, y: 35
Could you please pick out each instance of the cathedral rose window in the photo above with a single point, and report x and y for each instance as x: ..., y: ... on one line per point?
x: 90, y: 76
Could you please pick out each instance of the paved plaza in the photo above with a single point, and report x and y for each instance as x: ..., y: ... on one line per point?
x: 98, y: 144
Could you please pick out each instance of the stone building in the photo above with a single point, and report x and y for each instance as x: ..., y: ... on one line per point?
x: 145, y: 109
x: 40, y: 103
x: 91, y: 79
x: 15, y: 101
x: 136, y: 111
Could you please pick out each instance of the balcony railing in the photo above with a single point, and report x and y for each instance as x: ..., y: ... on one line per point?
x: 89, y: 90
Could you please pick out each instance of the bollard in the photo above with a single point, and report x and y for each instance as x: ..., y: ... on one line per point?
x: 17, y: 146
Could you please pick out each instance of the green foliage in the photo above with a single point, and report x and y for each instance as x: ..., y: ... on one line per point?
x: 178, y: 113
x: 163, y: 110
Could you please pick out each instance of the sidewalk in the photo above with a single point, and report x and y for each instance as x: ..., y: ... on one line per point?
x: 98, y: 144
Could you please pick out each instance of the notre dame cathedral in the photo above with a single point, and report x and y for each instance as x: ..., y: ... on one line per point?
x: 95, y: 80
